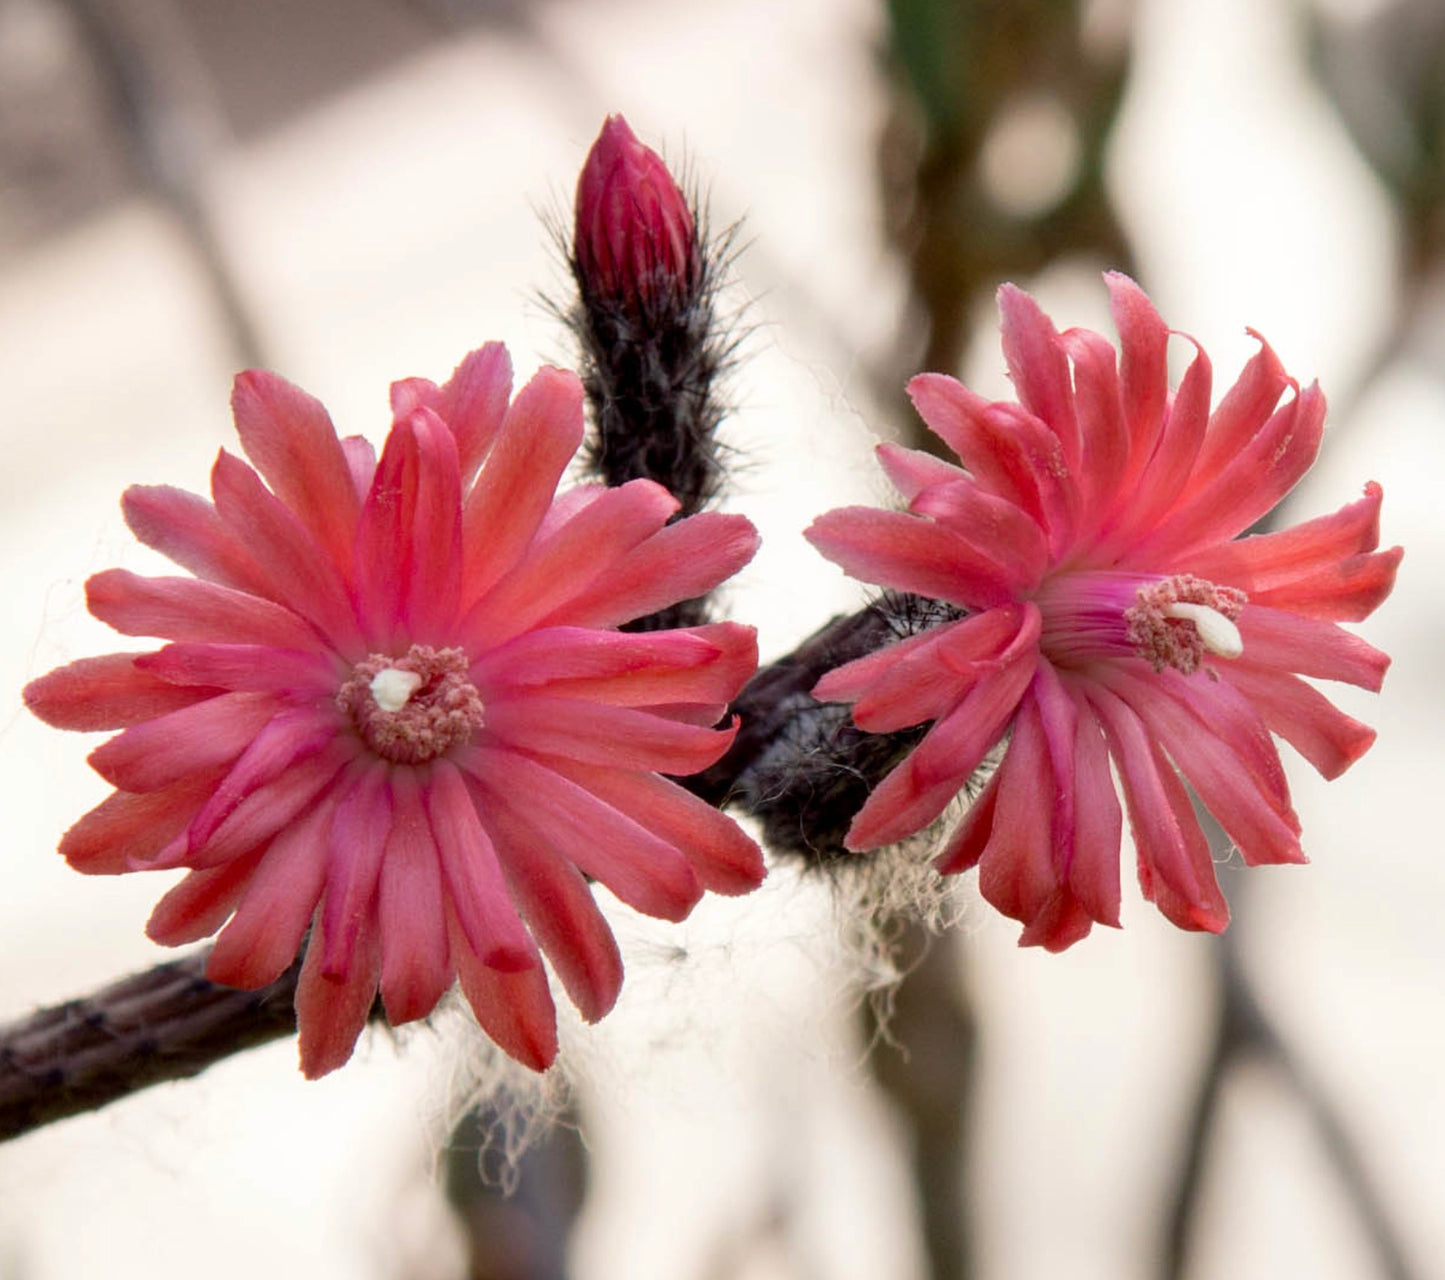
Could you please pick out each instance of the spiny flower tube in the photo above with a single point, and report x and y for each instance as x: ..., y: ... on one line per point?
x: 1112, y: 611
x: 397, y: 711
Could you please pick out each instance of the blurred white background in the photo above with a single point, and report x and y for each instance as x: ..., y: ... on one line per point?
x: 385, y: 228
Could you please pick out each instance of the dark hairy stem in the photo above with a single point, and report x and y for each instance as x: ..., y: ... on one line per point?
x: 168, y: 1023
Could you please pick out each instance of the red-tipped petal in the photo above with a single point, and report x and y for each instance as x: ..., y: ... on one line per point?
x: 331, y: 1012
x: 514, y: 1009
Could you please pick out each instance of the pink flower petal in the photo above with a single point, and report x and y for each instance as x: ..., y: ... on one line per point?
x: 475, y: 885
x: 266, y: 811
x: 1301, y: 715
x: 1175, y: 868
x: 416, y: 967
x: 929, y: 680
x: 288, y: 738
x: 109, y: 692
x: 724, y: 857
x: 594, y: 733
x: 253, y: 668
x: 685, y: 560
x: 1099, y: 406
x: 159, y: 752
x: 289, y: 436
x: 1219, y: 773
x: 514, y: 1009
x: 361, y: 461
x: 1309, y: 647
x: 1098, y: 821
x: 1248, y: 486
x: 186, y: 528
x: 1017, y: 872
x: 1245, y: 409
x: 561, y: 913
x: 125, y: 828
x: 184, y: 609
x: 557, y: 570
x: 703, y: 664
x: 920, y: 788
x: 966, y: 845
x: 360, y: 827
x: 1143, y: 371
x: 269, y: 927
x: 541, y: 432
x: 909, y: 553
x: 331, y: 1012
x: 1005, y: 535
x: 298, y: 573
x: 474, y: 403
x: 644, y: 871
x: 912, y: 471
x: 199, y: 905
x: 1039, y: 367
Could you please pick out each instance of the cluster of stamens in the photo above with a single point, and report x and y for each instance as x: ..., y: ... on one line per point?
x: 1175, y: 621
x: 413, y: 708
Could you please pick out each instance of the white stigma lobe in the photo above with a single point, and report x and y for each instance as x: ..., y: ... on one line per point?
x: 392, y: 688
x: 1216, y: 632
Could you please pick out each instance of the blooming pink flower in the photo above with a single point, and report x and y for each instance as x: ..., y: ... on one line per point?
x: 396, y: 709
x: 635, y: 238
x: 1113, y: 610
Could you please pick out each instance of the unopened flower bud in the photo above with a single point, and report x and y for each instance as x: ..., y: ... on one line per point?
x: 635, y: 241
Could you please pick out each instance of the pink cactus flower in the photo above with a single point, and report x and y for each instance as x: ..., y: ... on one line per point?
x: 635, y: 238
x: 1113, y: 610
x: 397, y: 711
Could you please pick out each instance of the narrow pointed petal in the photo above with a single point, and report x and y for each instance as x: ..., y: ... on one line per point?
x: 247, y: 668
x: 724, y: 857
x: 289, y: 436
x: 644, y: 871
x: 475, y: 885
x: 620, y: 737
x: 912, y: 471
x: 184, y: 609
x: 361, y: 462
x: 562, y: 915
x: 536, y: 441
x: 1247, y: 487
x: 514, y: 1009
x: 186, y: 528
x: 285, y: 740
x: 685, y: 560
x: 109, y: 692
x: 1100, y: 409
x: 1310, y: 647
x: 966, y: 845
x: 416, y: 967
x: 908, y: 553
x: 298, y: 573
x: 269, y: 927
x: 331, y: 1012
x: 559, y: 569
x: 1143, y: 370
x: 1039, y: 368
x: 200, y: 903
x: 1004, y: 534
x: 126, y: 828
x: 159, y: 752
x: 1301, y: 715
x: 850, y: 681
x: 697, y: 664
x: 474, y: 404
x: 360, y: 825
x: 1245, y: 409
x: 1098, y: 821
x: 1017, y: 872
x: 920, y: 788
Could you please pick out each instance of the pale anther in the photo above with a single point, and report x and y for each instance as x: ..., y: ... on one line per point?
x: 1216, y: 632
x: 392, y: 688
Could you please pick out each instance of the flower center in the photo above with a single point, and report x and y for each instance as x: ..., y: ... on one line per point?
x: 1169, y: 622
x: 413, y: 708
x: 1175, y: 621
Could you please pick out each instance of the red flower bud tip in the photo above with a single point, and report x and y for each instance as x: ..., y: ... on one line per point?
x: 636, y: 241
